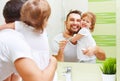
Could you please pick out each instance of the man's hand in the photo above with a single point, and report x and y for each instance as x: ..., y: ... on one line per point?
x: 99, y: 53
x: 60, y: 56
x: 62, y: 44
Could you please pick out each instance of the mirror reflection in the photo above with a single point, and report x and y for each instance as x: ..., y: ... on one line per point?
x: 105, y: 19
x: 104, y: 35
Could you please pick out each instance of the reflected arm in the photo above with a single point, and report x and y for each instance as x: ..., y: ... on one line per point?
x: 100, y: 54
x: 60, y: 56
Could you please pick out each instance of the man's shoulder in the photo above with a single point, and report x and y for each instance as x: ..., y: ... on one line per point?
x: 9, y: 33
x: 59, y: 36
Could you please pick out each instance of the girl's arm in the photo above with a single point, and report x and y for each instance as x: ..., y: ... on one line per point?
x: 75, y: 38
x: 7, y: 26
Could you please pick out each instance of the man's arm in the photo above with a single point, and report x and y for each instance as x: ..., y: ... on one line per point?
x: 99, y: 53
x: 60, y: 55
x: 29, y: 71
x: 75, y: 38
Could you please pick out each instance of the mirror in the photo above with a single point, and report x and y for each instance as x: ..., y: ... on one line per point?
x: 106, y: 20
x: 106, y: 30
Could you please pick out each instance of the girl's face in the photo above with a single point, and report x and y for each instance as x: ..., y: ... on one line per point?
x: 85, y: 22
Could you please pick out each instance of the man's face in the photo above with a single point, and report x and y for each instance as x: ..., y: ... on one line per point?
x: 73, y: 23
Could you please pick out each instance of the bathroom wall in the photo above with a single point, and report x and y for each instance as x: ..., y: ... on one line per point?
x: 2, y: 3
x: 118, y: 38
x: 108, y: 27
x: 105, y: 29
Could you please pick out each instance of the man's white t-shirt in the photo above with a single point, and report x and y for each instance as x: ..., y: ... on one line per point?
x: 12, y: 47
x: 70, y: 51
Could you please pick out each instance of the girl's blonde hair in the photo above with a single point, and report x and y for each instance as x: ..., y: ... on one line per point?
x: 92, y: 17
x: 36, y: 13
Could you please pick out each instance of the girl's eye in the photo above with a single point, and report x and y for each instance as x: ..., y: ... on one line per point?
x: 83, y: 19
x: 87, y: 21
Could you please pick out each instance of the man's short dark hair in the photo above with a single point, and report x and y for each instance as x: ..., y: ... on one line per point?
x: 11, y: 11
x: 73, y: 11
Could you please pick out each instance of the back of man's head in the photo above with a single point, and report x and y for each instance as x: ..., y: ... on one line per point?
x: 11, y: 11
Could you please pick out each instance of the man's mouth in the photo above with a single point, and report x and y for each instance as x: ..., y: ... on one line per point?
x: 74, y: 26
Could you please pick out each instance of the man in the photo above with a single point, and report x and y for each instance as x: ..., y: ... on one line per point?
x: 11, y: 13
x: 64, y: 50
x: 16, y: 55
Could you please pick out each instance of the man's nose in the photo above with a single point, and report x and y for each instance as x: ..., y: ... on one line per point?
x: 76, y: 22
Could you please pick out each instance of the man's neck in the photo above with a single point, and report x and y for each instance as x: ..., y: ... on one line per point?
x: 67, y: 34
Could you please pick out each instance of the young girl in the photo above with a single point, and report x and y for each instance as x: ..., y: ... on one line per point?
x: 84, y: 38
